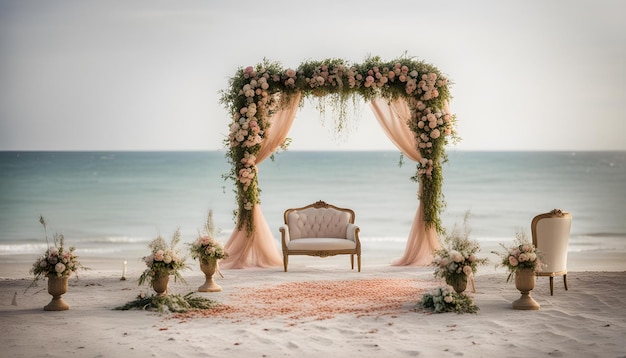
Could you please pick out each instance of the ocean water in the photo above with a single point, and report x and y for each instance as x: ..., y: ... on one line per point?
x: 114, y: 203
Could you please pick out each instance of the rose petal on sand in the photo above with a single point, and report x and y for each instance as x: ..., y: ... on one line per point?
x: 320, y: 300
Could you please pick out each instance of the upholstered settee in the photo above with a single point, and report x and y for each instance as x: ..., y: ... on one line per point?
x: 320, y: 229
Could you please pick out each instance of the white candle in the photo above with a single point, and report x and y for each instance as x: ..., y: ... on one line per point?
x: 124, y: 270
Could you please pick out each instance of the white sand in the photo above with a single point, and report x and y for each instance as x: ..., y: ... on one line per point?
x: 589, y: 320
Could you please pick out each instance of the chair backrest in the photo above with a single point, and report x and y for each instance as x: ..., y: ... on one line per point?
x: 318, y: 220
x: 551, y: 233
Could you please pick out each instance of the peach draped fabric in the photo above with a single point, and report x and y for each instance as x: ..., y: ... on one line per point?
x: 260, y: 249
x: 393, y: 117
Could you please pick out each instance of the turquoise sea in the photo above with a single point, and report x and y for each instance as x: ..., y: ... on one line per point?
x: 114, y: 203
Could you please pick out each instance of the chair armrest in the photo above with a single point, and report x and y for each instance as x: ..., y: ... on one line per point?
x: 284, y: 231
x: 352, y: 233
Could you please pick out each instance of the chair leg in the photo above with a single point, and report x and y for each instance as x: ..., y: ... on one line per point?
x: 285, y: 261
x: 352, y: 261
x: 551, y: 285
x: 358, y: 258
x: 565, y: 281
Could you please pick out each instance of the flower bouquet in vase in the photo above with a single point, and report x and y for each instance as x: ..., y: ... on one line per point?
x: 163, y: 261
x: 57, y: 264
x: 208, y: 251
x: 521, y: 260
x: 456, y: 260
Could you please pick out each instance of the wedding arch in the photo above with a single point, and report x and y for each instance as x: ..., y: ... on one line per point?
x: 410, y: 100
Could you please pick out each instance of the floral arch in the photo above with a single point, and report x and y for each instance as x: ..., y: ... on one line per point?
x: 410, y: 100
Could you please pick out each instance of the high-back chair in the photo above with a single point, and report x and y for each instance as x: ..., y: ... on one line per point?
x: 551, y: 233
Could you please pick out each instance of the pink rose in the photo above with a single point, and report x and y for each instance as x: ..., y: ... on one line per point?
x: 467, y: 270
x: 158, y: 256
x: 513, y: 261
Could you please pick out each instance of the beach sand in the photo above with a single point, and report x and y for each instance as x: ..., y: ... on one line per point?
x: 319, y: 308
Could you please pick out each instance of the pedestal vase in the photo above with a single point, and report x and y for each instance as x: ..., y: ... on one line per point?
x: 525, y: 282
x: 159, y: 285
x: 209, y: 267
x: 57, y: 286
x: 458, y: 282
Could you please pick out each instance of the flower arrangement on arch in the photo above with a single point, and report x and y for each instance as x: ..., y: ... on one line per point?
x: 57, y: 261
x: 164, y: 260
x: 443, y: 299
x: 256, y: 92
x: 205, y: 247
x: 456, y: 259
x: 522, y: 255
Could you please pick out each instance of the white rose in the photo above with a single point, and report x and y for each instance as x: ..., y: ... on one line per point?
x: 456, y: 256
x: 60, y: 267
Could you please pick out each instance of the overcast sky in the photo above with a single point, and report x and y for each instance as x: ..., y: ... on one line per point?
x: 146, y: 75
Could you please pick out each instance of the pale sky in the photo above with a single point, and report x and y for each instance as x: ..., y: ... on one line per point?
x: 146, y: 75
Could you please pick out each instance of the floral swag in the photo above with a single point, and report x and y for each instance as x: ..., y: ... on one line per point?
x: 255, y: 94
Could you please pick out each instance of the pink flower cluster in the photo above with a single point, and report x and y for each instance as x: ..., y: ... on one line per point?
x: 522, y: 256
x: 325, y: 76
x: 290, y: 78
x: 248, y: 172
x: 455, y: 262
x: 426, y: 86
x: 245, y: 130
x: 57, y: 262
x: 205, y: 248
x: 165, y: 256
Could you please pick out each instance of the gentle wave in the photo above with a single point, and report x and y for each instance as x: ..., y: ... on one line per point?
x: 16, y: 249
x: 116, y: 240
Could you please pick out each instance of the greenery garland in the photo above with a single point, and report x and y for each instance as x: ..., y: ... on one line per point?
x: 256, y: 93
x: 169, y: 303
